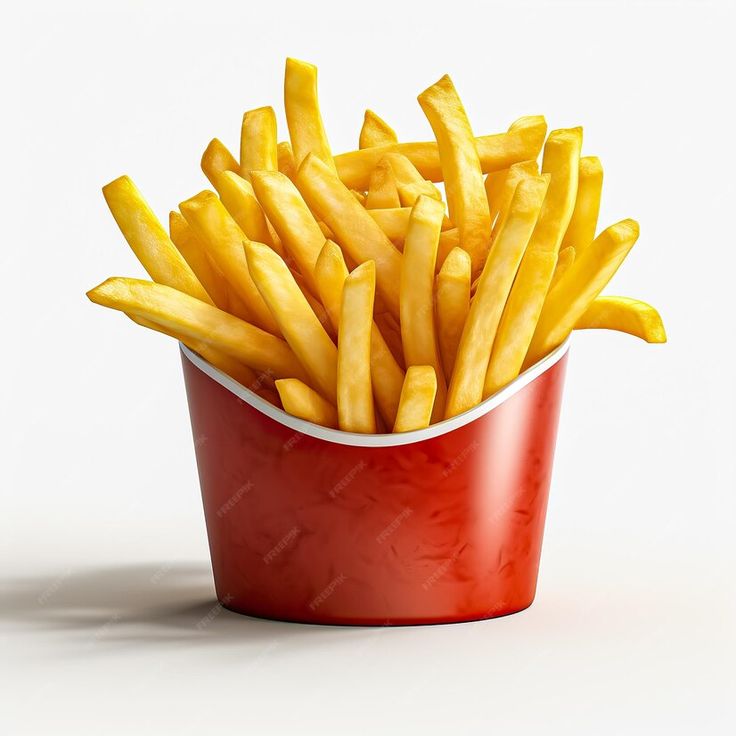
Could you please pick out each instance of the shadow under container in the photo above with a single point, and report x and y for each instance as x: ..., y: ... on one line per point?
x: 320, y: 526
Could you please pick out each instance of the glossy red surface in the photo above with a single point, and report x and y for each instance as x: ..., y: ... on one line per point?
x: 448, y: 529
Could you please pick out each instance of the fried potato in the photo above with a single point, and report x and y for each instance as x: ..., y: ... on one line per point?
x: 497, y: 277
x: 382, y: 190
x: 303, y: 115
x: 461, y: 167
x: 394, y: 221
x: 625, y: 315
x: 449, y: 239
x: 409, y: 182
x: 453, y: 304
x: 581, y: 284
x: 564, y: 261
x: 522, y: 142
x: 216, y: 159
x: 287, y: 165
x: 352, y: 225
x: 148, y: 239
x: 584, y: 220
x: 304, y: 402
x: 418, y: 334
x: 375, y: 131
x: 417, y: 399
x: 354, y: 390
x: 502, y: 202
x: 258, y: 144
x: 297, y: 321
x: 198, y: 320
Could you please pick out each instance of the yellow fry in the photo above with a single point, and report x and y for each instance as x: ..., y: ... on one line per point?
x: 197, y: 320
x: 497, y: 277
x: 502, y: 202
x: 418, y: 334
x: 258, y: 142
x: 354, y: 391
x: 409, y: 182
x: 286, y: 163
x: 461, y: 167
x: 216, y: 159
x: 297, y: 321
x: 625, y: 315
x: 394, y: 221
x: 304, y: 402
x: 493, y: 185
x: 224, y: 240
x: 522, y: 142
x: 564, y: 261
x: 375, y: 131
x: 449, y: 239
x: 584, y: 220
x: 580, y: 285
x: 453, y: 304
x: 303, y: 115
x: 352, y: 225
x: 417, y: 399
x: 359, y: 196
x: 148, y: 239
x: 382, y: 191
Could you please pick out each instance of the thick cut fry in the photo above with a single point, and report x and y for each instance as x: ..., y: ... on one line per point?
x: 297, y: 321
x: 287, y: 165
x: 197, y: 320
x: 625, y: 315
x: 493, y: 185
x: 522, y: 142
x: 501, y: 204
x: 449, y: 239
x: 291, y: 218
x: 216, y: 159
x: 453, y: 303
x: 375, y: 131
x: 584, y: 220
x: 304, y: 402
x: 359, y: 196
x: 409, y: 182
x: 417, y: 399
x: 148, y: 239
x: 303, y: 116
x: 258, y: 142
x: 580, y: 285
x: 497, y: 277
x: 195, y: 254
x: 564, y: 261
x: 418, y: 334
x: 382, y: 191
x: 461, y: 168
x: 387, y: 376
x: 354, y: 391
x: 394, y: 221
x: 353, y: 227
x: 224, y: 239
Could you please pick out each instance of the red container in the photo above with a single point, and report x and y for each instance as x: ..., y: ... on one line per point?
x: 316, y: 525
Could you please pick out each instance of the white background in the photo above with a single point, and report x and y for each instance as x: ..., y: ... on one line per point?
x: 103, y: 554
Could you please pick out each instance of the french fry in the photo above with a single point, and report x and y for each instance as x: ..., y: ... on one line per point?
x: 524, y: 305
x: 297, y: 321
x: 216, y: 159
x: 461, y: 168
x: 449, y: 239
x: 387, y: 376
x: 375, y: 131
x: 409, y: 182
x: 286, y: 162
x: 354, y: 390
x: 258, y: 142
x: 564, y: 261
x: 148, y: 239
x: 394, y: 221
x: 580, y: 285
x: 303, y: 115
x: 502, y: 202
x: 497, y: 277
x: 198, y: 320
x: 359, y: 196
x: 354, y: 228
x: 625, y: 315
x: 584, y: 220
x: 453, y: 304
x: 195, y: 254
x: 493, y: 185
x: 522, y: 142
x: 417, y: 399
x: 382, y: 191
x: 291, y: 218
x: 224, y: 239
x: 418, y: 334
x: 304, y: 402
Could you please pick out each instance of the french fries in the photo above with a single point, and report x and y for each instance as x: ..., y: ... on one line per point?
x: 345, y: 278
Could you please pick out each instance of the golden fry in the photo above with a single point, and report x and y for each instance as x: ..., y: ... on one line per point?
x: 580, y: 285
x: 453, y: 304
x: 461, y: 167
x: 409, y: 182
x: 304, y: 402
x: 297, y: 321
x: 148, y: 239
x: 375, y: 131
x: 286, y: 162
x: 418, y: 334
x: 258, y: 142
x: 564, y: 261
x: 354, y: 390
x: 382, y: 191
x: 449, y: 239
x: 502, y: 202
x: 216, y: 159
x: 584, y: 220
x: 394, y: 221
x: 625, y: 315
x: 417, y: 399
x: 497, y: 277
